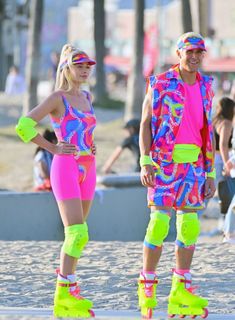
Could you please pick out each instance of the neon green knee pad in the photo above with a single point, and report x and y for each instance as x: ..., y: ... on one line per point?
x: 158, y: 228
x: 188, y: 228
x: 76, y: 237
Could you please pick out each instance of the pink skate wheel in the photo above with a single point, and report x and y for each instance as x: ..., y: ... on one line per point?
x: 171, y: 315
x: 92, y: 313
x: 182, y: 316
x: 193, y: 317
x: 205, y: 315
x: 149, y: 314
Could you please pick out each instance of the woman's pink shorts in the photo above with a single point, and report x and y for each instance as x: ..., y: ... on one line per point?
x: 73, y: 178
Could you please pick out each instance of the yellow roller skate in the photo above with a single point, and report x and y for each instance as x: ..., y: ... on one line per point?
x: 147, y: 295
x: 183, y: 302
x: 69, y: 303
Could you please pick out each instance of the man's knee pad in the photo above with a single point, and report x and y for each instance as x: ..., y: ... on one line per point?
x: 76, y: 237
x: 158, y: 228
x: 188, y: 228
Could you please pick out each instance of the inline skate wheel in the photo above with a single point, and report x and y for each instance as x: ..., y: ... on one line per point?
x: 92, y: 313
x: 205, y: 315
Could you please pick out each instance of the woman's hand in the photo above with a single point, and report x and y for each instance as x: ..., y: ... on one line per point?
x: 209, y: 188
x: 65, y: 148
x: 93, y: 149
x: 227, y: 168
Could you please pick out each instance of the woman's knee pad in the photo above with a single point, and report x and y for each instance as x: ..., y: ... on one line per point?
x: 76, y: 237
x: 188, y: 228
x: 158, y: 228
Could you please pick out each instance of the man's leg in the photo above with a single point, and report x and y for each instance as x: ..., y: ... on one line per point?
x: 188, y: 229
x: 182, y: 300
x: 156, y: 232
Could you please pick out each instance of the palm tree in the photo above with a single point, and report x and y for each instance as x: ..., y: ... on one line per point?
x: 2, y: 56
x: 186, y: 16
x: 135, y: 86
x: 33, y: 54
x: 203, y: 17
x: 99, y: 35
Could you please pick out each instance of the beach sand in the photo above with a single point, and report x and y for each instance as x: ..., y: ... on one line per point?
x: 108, y: 274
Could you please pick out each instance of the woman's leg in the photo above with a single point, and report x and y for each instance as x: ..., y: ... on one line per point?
x: 86, y: 205
x: 71, y: 212
x: 88, y: 185
x: 66, y: 188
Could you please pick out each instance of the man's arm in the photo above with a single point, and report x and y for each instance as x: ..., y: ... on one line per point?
x: 145, y: 140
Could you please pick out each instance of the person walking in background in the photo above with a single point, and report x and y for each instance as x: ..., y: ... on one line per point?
x: 223, y: 128
x: 177, y: 166
x: 131, y: 142
x: 229, y: 223
x: 42, y: 164
x: 15, y: 83
x: 73, y: 170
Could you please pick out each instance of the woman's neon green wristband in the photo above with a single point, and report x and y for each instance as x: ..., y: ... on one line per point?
x: 211, y: 174
x: 145, y: 160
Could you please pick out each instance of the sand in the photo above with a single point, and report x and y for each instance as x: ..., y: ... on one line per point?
x: 108, y: 274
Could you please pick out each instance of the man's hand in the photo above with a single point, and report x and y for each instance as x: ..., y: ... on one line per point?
x: 147, y: 176
x: 209, y: 188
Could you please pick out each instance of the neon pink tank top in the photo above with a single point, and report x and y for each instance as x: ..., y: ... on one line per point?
x: 192, y: 119
x: 75, y: 126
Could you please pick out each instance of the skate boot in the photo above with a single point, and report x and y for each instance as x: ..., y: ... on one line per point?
x: 147, y: 295
x: 69, y: 303
x: 183, y: 302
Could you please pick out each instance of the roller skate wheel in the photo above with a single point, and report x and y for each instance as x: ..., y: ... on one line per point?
x: 149, y: 313
x: 92, y: 313
x: 193, y: 317
x: 205, y: 315
x: 171, y: 316
x: 182, y: 316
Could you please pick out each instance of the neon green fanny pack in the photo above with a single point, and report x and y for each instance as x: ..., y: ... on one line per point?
x: 184, y: 153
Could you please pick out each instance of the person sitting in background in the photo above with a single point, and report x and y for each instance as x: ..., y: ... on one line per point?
x: 15, y: 84
x: 131, y: 142
x: 42, y: 164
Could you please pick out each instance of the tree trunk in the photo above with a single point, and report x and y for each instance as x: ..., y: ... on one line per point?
x: 99, y: 35
x: 3, y: 58
x: 186, y: 16
x: 135, y: 86
x: 203, y: 17
x: 33, y: 54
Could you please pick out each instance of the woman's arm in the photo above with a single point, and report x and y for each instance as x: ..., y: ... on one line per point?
x: 26, y: 125
x: 225, y: 131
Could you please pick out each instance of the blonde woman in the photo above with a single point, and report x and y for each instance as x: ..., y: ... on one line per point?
x: 73, y: 171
